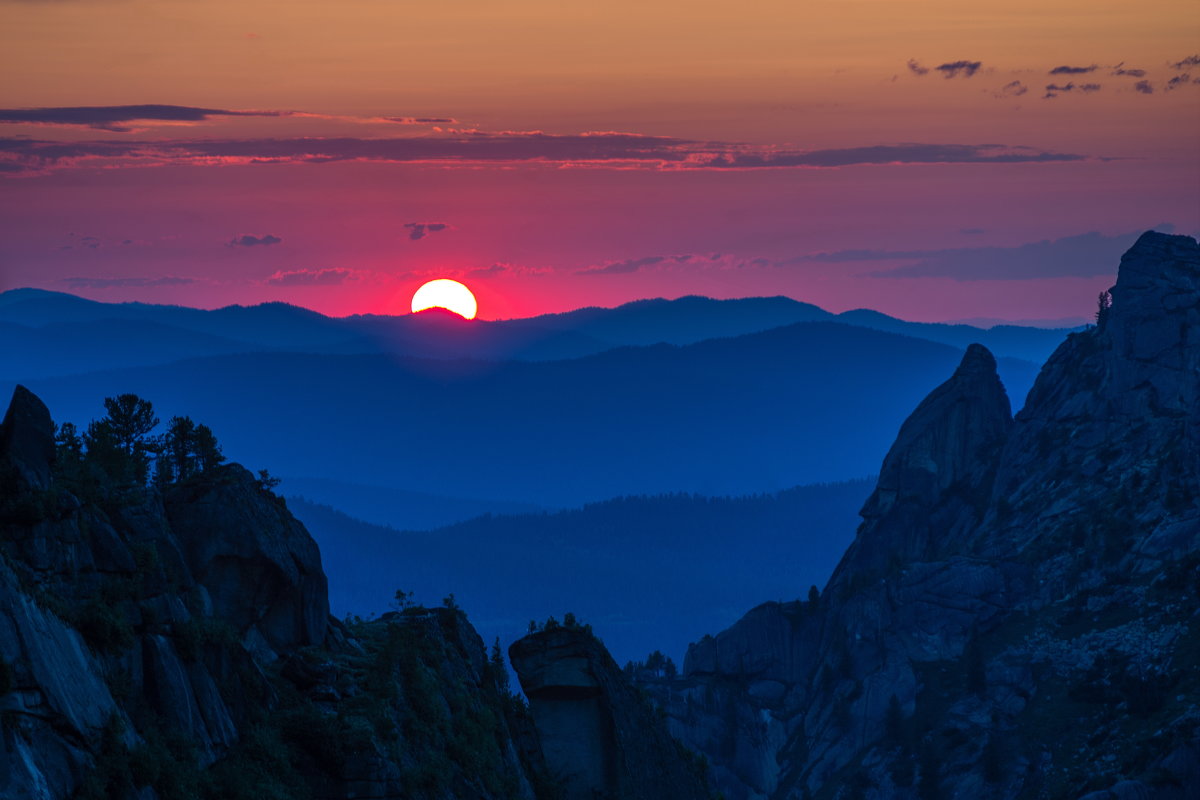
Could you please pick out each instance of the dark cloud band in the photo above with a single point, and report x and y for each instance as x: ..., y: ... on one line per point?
x: 1083, y: 256
x: 595, y: 150
x: 116, y: 118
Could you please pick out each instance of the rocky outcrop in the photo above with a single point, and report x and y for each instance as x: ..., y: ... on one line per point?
x: 1009, y: 575
x: 597, y: 733
x: 175, y: 641
x: 27, y: 440
x: 938, y: 471
x: 259, y: 567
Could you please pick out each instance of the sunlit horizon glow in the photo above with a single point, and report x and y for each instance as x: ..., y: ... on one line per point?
x: 448, y: 294
x: 910, y: 156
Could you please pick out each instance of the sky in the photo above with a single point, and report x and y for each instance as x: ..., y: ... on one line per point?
x: 934, y: 160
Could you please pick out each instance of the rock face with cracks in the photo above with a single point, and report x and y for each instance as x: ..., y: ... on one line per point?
x: 1019, y: 614
x: 175, y: 642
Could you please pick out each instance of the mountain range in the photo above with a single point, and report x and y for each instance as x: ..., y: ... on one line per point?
x: 1017, y: 615
x: 685, y: 564
x: 41, y: 324
x: 800, y: 404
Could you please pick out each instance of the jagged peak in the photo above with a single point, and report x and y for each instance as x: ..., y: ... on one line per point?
x: 978, y: 361
x: 938, y: 445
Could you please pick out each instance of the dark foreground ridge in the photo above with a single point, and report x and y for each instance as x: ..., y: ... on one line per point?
x: 173, y: 641
x: 1019, y: 615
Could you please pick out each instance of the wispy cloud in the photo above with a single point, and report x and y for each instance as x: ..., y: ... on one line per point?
x: 915, y: 67
x: 1082, y: 256
x: 1120, y: 69
x: 604, y: 150
x: 420, y: 120
x: 333, y: 276
x: 1012, y: 89
x: 419, y: 230
x: 116, y: 118
x: 1054, y: 90
x: 246, y: 240
x: 1068, y: 70
x: 623, y: 267
x: 952, y: 69
x: 125, y: 283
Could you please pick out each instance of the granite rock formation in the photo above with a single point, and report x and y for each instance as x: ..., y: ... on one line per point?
x: 175, y: 642
x: 598, y: 734
x: 1019, y: 615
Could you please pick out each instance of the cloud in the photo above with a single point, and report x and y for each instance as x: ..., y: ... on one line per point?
x: 490, y: 272
x: 953, y: 69
x: 111, y: 283
x: 1180, y: 80
x: 419, y: 230
x: 334, y: 276
x: 246, y: 240
x: 1190, y: 61
x: 622, y: 267
x: 1065, y: 70
x: 1053, y: 90
x: 1119, y: 69
x: 915, y: 67
x: 420, y: 120
x: 1082, y: 256
x: 1012, y: 89
x: 972, y: 231
x: 594, y: 150
x: 505, y: 269
x: 114, y: 118
x: 1145, y: 87
x: 900, y: 154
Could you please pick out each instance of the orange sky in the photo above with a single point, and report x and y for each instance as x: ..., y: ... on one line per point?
x: 783, y: 76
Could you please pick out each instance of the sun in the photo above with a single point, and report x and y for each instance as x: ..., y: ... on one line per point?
x: 447, y: 294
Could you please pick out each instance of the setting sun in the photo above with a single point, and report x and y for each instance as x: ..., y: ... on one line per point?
x: 447, y: 294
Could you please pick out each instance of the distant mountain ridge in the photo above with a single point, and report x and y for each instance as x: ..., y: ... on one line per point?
x: 795, y: 405
x: 395, y: 508
x: 44, y: 326
x: 685, y: 563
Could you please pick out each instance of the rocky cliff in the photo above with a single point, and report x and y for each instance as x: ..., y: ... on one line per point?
x: 598, y: 733
x: 175, y: 642
x: 1019, y: 615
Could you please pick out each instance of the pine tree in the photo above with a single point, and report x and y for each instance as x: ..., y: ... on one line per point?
x: 178, y: 447
x: 124, y: 451
x: 130, y: 418
x: 208, y: 452
x: 499, y: 668
x: 68, y: 452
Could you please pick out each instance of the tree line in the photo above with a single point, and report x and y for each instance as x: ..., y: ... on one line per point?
x: 122, y: 449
